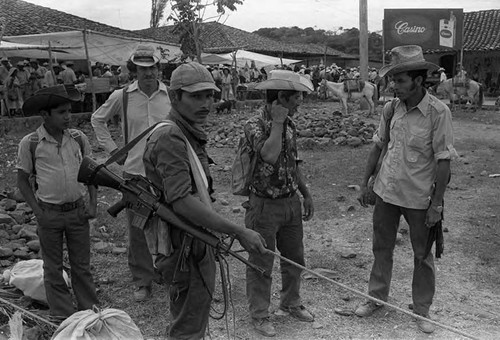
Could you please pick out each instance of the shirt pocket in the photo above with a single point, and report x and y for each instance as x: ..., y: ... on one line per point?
x: 418, y: 142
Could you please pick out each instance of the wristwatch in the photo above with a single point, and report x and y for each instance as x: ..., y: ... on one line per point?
x: 438, y: 208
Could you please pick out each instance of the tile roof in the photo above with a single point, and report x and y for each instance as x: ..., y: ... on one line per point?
x: 482, y: 30
x: 26, y: 18
x: 219, y: 38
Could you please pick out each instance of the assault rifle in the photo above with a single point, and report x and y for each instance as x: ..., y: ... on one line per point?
x: 144, y: 199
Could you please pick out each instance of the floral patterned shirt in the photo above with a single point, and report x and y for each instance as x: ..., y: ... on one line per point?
x: 276, y: 180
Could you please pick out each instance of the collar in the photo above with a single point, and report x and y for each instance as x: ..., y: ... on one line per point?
x: 196, y: 131
x: 422, y: 106
x: 135, y: 87
x: 44, y: 134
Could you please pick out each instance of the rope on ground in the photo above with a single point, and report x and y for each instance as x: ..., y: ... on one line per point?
x: 29, y: 314
x: 416, y: 316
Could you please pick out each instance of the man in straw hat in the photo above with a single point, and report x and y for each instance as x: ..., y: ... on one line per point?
x: 139, y: 105
x: 52, y: 154
x: 274, y: 208
x: 187, y: 264
x: 412, y: 179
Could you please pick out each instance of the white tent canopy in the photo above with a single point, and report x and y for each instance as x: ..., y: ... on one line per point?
x: 9, y: 46
x: 244, y: 57
x: 105, y: 48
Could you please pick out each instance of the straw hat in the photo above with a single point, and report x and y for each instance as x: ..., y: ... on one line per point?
x: 406, y: 58
x: 144, y: 56
x: 286, y: 80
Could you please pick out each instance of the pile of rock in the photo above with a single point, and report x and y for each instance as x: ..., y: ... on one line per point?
x: 18, y: 237
x: 315, y: 127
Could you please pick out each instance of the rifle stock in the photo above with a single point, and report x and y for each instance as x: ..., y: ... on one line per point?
x: 143, y: 199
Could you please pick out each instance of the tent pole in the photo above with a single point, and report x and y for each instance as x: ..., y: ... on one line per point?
x: 51, y: 65
x: 94, y: 102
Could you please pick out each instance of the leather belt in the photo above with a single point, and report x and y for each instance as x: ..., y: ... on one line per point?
x: 64, y: 207
x: 287, y: 195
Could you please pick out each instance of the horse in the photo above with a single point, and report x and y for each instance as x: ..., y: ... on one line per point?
x: 469, y: 90
x: 368, y: 92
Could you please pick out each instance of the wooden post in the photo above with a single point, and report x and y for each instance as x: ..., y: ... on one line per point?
x: 363, y: 45
x: 94, y: 101
x: 363, y: 39
x: 51, y: 65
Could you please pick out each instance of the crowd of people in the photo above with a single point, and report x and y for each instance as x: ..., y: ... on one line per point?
x: 232, y: 81
x: 410, y: 181
x: 20, y: 81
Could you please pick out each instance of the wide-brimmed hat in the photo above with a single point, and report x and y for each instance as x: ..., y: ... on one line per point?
x: 144, y: 56
x: 286, y: 80
x: 20, y: 63
x: 406, y: 58
x: 4, y: 59
x: 50, y: 97
x: 192, y: 77
x: 441, y: 69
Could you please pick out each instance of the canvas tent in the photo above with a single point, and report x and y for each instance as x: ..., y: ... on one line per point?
x: 244, y: 57
x: 102, y: 47
x: 6, y: 46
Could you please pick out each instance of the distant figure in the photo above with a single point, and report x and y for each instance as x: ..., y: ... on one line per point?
x: 226, y: 84
x: 68, y: 76
x: 442, y: 74
x: 14, y: 98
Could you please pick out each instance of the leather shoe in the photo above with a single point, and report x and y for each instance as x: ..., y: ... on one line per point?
x: 300, y: 313
x: 142, y: 293
x: 424, y: 325
x: 367, y: 308
x: 264, y: 327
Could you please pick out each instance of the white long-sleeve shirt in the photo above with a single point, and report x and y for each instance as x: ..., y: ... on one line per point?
x: 142, y: 112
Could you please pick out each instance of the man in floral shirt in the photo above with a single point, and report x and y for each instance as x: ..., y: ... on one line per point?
x: 274, y: 209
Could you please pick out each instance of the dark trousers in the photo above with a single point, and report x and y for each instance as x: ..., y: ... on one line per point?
x: 191, y: 277
x: 385, y: 226
x: 140, y: 261
x: 75, y: 228
x: 279, y: 221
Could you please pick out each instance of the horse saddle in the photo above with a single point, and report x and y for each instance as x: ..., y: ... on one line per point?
x: 461, y: 82
x: 354, y: 85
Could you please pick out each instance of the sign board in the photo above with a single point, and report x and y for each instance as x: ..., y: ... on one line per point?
x: 429, y: 28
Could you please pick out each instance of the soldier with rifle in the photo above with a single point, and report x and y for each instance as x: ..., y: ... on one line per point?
x: 174, y: 159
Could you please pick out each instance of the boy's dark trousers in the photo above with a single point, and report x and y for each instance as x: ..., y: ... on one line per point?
x: 75, y: 227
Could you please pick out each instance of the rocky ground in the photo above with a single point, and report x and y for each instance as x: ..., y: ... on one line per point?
x: 337, y: 240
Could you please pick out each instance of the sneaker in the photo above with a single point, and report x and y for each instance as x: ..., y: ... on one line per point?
x: 264, y: 327
x: 424, y: 325
x: 367, y: 308
x: 142, y: 293
x: 299, y: 313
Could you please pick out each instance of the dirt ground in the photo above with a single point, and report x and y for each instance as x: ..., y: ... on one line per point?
x: 338, y: 239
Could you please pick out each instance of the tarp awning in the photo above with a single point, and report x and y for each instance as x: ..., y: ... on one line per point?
x: 10, y: 46
x: 245, y: 58
x: 105, y: 48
